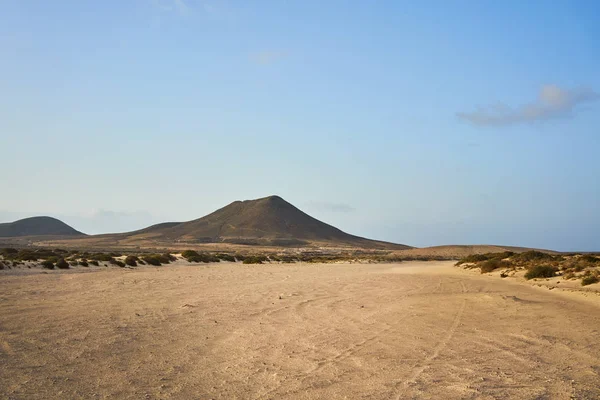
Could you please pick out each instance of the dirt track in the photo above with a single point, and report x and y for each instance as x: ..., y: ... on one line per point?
x: 226, y: 331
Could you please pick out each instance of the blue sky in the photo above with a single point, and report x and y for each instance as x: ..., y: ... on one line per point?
x: 423, y: 123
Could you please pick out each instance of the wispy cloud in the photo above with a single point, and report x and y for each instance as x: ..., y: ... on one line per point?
x: 327, y: 206
x: 178, y: 6
x: 267, y: 57
x: 552, y: 102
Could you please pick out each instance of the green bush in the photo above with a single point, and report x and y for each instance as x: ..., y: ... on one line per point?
x: 589, y: 259
x: 533, y: 255
x: 493, y: 264
x: 62, y: 264
x: 255, y: 260
x: 83, y: 263
x: 189, y: 253
x: 225, y: 257
x: 589, y: 279
x: 94, y: 263
x: 204, y: 258
x: 151, y: 260
x: 578, y: 267
x: 157, y: 259
x: 48, y: 264
x: 541, y: 271
x: 473, y: 258
x: 32, y: 254
x: 131, y: 261
x: 569, y: 275
x: 166, y: 258
x: 477, y: 258
x: 1, y: 265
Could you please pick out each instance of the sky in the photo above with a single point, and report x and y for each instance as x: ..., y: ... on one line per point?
x: 417, y: 122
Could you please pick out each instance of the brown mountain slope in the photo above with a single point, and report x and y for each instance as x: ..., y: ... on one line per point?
x: 266, y: 221
x: 37, y: 226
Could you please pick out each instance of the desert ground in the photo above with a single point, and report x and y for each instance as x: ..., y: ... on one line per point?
x: 294, y: 331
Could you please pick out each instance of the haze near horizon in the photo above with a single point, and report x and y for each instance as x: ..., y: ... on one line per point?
x: 424, y: 124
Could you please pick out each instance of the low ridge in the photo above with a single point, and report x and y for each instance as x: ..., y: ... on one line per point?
x: 37, y: 226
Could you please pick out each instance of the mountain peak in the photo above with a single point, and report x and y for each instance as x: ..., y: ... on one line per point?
x: 266, y: 221
x: 270, y: 199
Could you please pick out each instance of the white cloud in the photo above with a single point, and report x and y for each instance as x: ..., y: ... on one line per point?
x: 552, y: 102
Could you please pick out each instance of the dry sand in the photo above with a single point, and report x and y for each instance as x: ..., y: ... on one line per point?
x: 293, y: 331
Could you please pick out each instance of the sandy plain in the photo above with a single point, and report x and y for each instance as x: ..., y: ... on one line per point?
x: 293, y: 331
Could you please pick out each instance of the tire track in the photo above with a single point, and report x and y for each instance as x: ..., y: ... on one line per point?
x: 442, y: 344
x: 300, y: 309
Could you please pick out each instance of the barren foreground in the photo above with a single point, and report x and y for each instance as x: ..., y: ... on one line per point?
x: 289, y: 331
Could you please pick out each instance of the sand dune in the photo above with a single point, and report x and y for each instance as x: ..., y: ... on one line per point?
x: 298, y: 331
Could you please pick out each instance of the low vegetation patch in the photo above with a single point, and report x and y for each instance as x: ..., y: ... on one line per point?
x: 541, y: 271
x: 100, y: 257
x: 533, y: 255
x: 589, y: 258
x: 477, y: 258
x: 189, y: 253
x: 226, y: 257
x: 131, y: 261
x: 589, y: 279
x: 538, y: 264
x: 492, y: 265
x: 203, y: 258
x: 152, y: 260
x: 255, y: 259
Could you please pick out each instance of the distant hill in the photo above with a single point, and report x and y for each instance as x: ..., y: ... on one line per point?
x: 266, y: 221
x: 37, y: 226
x: 461, y: 251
